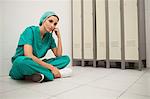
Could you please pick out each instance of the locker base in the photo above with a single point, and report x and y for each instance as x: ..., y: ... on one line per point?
x: 129, y: 64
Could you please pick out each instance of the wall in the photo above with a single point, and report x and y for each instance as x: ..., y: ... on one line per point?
x: 0, y: 36
x: 18, y: 14
x: 147, y: 15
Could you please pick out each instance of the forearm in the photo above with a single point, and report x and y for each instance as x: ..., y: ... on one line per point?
x: 42, y: 63
x: 59, y: 47
x: 28, y: 53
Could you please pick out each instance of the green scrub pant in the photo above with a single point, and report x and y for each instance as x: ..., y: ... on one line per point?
x: 23, y: 65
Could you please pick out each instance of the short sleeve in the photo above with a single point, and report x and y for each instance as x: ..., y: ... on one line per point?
x: 53, y: 44
x: 26, y: 37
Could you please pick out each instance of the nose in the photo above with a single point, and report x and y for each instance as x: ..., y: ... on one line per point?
x: 52, y: 26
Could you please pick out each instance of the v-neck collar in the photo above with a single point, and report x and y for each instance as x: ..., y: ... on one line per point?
x: 40, y: 45
x: 39, y: 35
x: 44, y: 37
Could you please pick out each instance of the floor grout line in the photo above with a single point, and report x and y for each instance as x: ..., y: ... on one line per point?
x: 78, y: 85
x: 131, y: 85
x: 60, y: 93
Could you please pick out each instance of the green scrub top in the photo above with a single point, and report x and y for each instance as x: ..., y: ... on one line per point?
x: 32, y: 36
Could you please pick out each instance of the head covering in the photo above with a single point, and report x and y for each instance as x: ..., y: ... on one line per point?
x: 46, y: 15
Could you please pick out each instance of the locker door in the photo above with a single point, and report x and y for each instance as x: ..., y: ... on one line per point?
x: 131, y: 29
x: 101, y: 29
x: 114, y: 29
x: 88, y: 29
x: 77, y: 35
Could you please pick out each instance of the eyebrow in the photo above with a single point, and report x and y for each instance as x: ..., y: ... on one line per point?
x: 52, y: 20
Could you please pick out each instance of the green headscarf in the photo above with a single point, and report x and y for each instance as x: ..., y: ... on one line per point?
x: 46, y: 15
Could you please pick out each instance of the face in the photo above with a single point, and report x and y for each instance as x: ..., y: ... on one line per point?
x: 50, y: 23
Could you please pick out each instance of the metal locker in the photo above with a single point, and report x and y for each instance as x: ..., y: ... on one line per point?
x: 101, y: 29
x: 131, y: 30
x: 77, y: 31
x: 88, y: 29
x: 109, y: 30
x: 114, y: 30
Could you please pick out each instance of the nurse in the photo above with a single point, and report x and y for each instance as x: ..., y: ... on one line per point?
x: 33, y: 44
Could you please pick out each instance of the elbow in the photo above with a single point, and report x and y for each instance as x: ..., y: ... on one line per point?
x: 59, y: 55
x: 28, y: 55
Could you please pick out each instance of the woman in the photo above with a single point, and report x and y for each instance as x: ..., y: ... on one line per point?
x: 34, y: 42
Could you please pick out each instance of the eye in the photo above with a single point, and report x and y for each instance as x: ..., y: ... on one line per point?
x: 55, y: 23
x: 50, y: 21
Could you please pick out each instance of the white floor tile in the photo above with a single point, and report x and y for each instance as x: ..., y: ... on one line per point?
x: 133, y: 96
x: 54, y: 87
x: 24, y: 93
x: 141, y: 89
x: 145, y: 79
x: 87, y: 92
x: 8, y: 84
x: 84, y: 78
x: 110, y: 84
x: 90, y: 74
x: 4, y: 78
x: 127, y: 78
x: 78, y: 70
x: 86, y: 82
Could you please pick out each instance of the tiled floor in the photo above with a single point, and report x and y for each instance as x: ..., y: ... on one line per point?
x: 86, y: 83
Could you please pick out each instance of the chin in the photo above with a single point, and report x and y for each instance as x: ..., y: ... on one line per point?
x: 49, y: 30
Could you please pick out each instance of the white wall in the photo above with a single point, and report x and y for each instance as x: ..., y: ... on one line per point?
x: 0, y: 37
x: 18, y: 14
x: 147, y: 12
